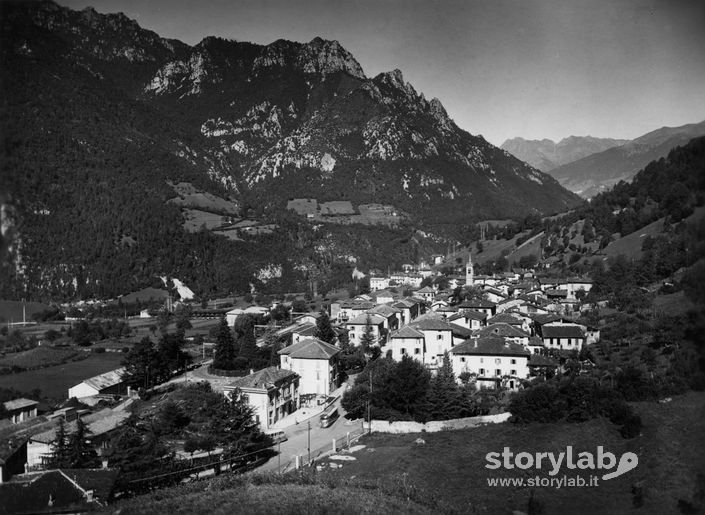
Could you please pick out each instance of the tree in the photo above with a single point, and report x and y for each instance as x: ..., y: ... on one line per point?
x: 245, y: 329
x: 143, y: 366
x: 444, y: 400
x: 171, y: 355
x: 171, y: 418
x: 408, y: 386
x: 80, y: 453
x: 324, y: 330
x: 368, y: 340
x: 224, y: 347
x: 60, y: 457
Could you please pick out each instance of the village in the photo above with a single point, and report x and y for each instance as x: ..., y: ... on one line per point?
x: 498, y: 332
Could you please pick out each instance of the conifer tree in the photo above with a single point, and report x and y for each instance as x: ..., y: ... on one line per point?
x: 246, y: 339
x: 224, y: 347
x: 324, y: 330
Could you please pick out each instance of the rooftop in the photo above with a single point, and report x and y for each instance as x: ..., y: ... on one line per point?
x: 562, y: 331
x: 17, y: 404
x: 264, y: 379
x: 311, y: 348
x: 490, y: 346
x: 407, y: 332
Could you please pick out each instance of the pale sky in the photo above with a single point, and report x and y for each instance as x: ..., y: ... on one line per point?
x: 502, y: 68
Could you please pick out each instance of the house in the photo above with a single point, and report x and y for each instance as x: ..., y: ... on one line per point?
x: 502, y: 330
x: 427, y: 293
x: 383, y: 297
x: 232, y: 315
x: 272, y: 393
x: 407, y: 341
x: 109, y: 383
x: 19, y: 410
x: 359, y: 324
x: 58, y: 491
x: 494, y: 361
x: 558, y: 335
x: 409, y: 309
x: 512, y: 319
x: 378, y: 283
x: 341, y: 312
x: 316, y: 362
x: 469, y: 319
x: 539, y: 320
x: 391, y: 316
x: 494, y: 295
x: 509, y: 304
x: 438, y: 337
x: 482, y: 305
x: 101, y: 426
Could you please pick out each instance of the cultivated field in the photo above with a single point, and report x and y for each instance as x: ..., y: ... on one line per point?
x: 55, y: 381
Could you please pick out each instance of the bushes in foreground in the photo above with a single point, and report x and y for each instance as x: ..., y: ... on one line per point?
x: 574, y: 400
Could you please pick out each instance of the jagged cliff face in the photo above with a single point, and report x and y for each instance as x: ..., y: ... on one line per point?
x: 289, y: 108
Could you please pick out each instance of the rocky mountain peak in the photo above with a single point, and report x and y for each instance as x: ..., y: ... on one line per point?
x: 325, y: 57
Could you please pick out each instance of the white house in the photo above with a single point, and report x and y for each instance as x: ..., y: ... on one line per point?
x: 469, y: 319
x: 506, y: 331
x: 316, y: 362
x: 273, y: 393
x: 557, y: 335
x: 426, y: 293
x: 379, y: 283
x: 494, y: 361
x: 407, y: 341
x: 438, y: 337
x: 358, y: 325
x: 108, y: 383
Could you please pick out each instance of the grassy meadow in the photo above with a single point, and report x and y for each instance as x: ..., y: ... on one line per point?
x: 447, y: 474
x: 54, y: 381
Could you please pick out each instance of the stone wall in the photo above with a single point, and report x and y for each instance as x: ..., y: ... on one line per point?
x: 384, y: 426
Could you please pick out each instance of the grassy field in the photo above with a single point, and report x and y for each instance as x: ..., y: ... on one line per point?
x: 447, y: 474
x: 11, y: 310
x: 40, y: 357
x: 450, y: 465
x: 55, y: 381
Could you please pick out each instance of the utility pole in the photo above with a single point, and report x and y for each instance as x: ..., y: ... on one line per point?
x: 369, y: 403
x: 309, y: 442
x: 279, y: 456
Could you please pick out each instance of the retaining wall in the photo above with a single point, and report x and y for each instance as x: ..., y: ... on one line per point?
x: 384, y: 426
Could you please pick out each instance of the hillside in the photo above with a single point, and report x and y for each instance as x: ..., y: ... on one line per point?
x: 546, y: 154
x: 107, y: 123
x: 600, y: 171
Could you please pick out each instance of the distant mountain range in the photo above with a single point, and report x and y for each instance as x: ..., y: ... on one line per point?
x: 601, y: 171
x: 546, y: 154
x: 103, y: 117
x: 593, y: 172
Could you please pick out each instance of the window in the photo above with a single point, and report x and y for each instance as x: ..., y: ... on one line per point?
x: 403, y: 351
x: 513, y: 362
x: 482, y: 360
x: 462, y: 359
x: 497, y: 361
x: 482, y: 371
x: 417, y: 351
x: 513, y: 373
x: 498, y: 372
x: 439, y: 336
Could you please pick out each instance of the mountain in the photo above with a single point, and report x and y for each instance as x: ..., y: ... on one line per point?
x: 115, y: 139
x: 600, y: 171
x: 546, y: 154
